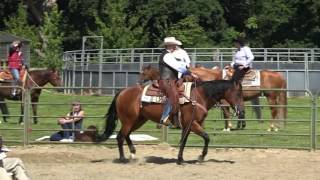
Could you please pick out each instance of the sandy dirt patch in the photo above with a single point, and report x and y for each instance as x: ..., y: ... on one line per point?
x: 55, y: 162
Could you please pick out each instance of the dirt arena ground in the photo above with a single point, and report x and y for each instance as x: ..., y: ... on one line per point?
x: 55, y: 162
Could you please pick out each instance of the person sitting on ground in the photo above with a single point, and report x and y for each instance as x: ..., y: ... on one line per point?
x: 11, y: 165
x: 72, y: 121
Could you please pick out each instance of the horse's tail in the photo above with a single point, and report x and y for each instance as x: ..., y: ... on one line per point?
x: 111, y: 121
x: 283, y: 102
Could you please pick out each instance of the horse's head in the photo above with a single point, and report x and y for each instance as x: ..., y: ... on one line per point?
x: 148, y: 73
x: 55, y: 79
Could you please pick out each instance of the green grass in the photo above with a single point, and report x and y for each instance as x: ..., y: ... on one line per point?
x: 296, y: 133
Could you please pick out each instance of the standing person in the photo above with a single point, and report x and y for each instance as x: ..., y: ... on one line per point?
x: 16, y: 62
x: 72, y: 121
x: 11, y: 165
x: 243, y: 56
x: 170, y: 71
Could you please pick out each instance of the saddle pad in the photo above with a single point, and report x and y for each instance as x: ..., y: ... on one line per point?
x: 250, y: 79
x: 161, y: 99
x: 6, y: 75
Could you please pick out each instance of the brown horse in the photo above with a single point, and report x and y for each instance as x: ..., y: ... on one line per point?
x: 268, y: 79
x: 35, y: 78
x: 133, y: 113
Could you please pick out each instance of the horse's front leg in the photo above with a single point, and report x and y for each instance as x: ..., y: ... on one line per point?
x: 197, y: 129
x: 226, y: 116
x: 35, y: 101
x: 184, y: 136
x: 21, y: 114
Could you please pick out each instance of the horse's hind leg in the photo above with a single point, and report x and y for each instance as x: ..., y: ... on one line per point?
x: 4, y: 109
x: 131, y: 147
x: 129, y: 142
x: 272, y: 101
x: 122, y: 135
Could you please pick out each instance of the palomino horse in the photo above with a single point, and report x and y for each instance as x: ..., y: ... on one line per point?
x: 268, y: 79
x: 36, y: 78
x: 127, y: 106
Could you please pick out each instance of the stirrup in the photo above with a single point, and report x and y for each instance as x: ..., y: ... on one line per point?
x: 165, y: 121
x: 14, y: 93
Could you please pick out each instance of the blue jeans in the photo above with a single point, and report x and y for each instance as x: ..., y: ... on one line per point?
x: 16, y: 75
x: 65, y: 134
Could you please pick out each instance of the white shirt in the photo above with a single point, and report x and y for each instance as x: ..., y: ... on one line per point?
x: 181, y: 55
x: 243, y: 56
x: 171, y: 61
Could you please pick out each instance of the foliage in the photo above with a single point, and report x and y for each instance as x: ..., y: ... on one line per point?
x: 52, y: 37
x: 189, y: 32
x: 141, y: 23
x: 18, y: 25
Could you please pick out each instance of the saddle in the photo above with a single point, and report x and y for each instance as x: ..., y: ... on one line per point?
x: 152, y: 94
x: 251, y: 78
x: 6, y: 75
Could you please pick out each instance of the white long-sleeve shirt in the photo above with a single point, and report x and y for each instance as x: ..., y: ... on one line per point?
x: 181, y: 55
x: 243, y: 56
x: 179, y: 66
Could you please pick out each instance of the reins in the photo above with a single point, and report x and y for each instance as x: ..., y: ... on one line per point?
x: 185, y: 133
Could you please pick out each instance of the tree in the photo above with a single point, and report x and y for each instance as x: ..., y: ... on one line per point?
x: 52, y: 39
x: 189, y: 32
x: 113, y: 25
x: 18, y: 25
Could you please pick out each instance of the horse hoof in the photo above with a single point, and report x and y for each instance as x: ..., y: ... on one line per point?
x: 226, y: 130
x: 201, y: 158
x: 180, y: 161
x: 132, y: 156
x: 123, y: 160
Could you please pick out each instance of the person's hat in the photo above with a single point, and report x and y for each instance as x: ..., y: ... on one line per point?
x: 240, y: 40
x: 16, y: 43
x: 171, y: 41
x: 179, y: 43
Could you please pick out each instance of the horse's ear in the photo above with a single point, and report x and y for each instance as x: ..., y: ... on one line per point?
x: 149, y: 66
x: 53, y: 70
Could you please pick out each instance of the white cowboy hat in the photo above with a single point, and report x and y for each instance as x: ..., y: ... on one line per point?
x: 171, y: 41
x: 179, y: 43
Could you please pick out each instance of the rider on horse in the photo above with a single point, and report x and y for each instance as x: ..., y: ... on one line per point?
x: 243, y: 56
x: 171, y: 69
x: 16, y: 62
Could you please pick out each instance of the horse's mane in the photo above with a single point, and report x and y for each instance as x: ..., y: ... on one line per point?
x: 216, y: 89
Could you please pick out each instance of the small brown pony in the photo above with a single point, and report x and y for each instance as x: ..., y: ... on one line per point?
x: 127, y: 106
x: 36, y: 78
x: 268, y: 79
